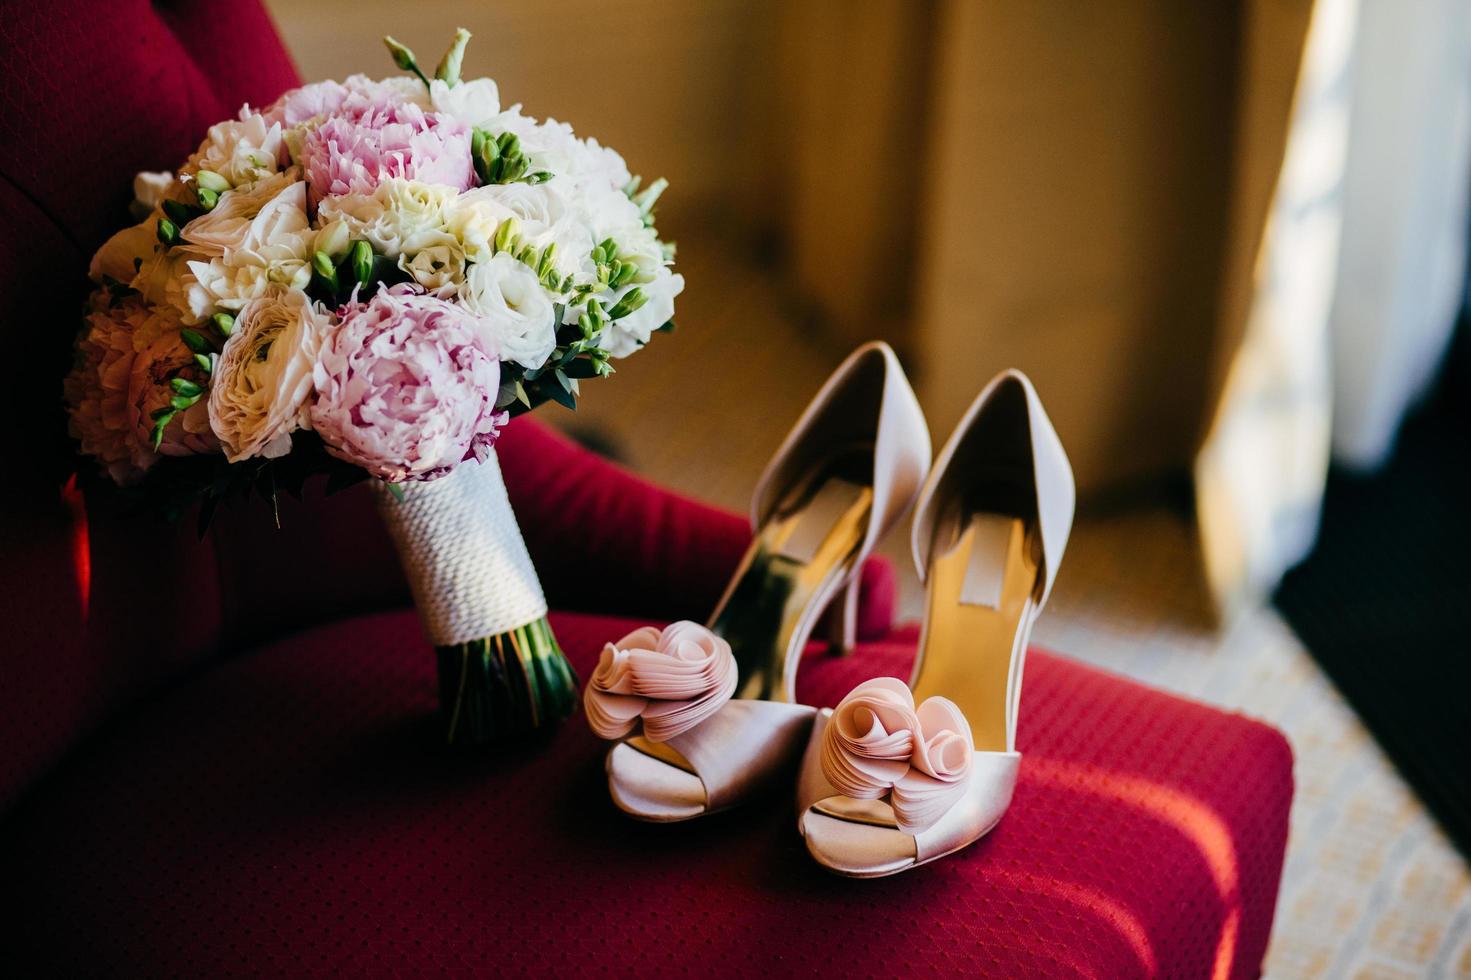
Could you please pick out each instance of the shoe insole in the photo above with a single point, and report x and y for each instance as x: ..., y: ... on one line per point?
x: 980, y: 587
x: 794, y: 556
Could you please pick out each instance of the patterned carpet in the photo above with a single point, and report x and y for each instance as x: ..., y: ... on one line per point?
x: 1372, y: 888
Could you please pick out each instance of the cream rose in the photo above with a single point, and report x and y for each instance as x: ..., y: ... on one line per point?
x: 440, y: 269
x: 511, y: 304
x: 399, y: 216
x: 260, y: 386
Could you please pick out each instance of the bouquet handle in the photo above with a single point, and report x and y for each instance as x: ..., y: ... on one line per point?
x: 501, y: 672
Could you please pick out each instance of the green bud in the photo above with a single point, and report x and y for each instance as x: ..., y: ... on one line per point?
x: 195, y: 341
x: 207, y: 198
x: 204, y: 363
x: 404, y: 58
x: 325, y: 270
x: 650, y: 196
x: 486, y: 153
x: 548, y: 256
x: 210, y: 181
x: 168, y: 232
x: 631, y: 301
x: 360, y: 261
x: 224, y: 323
x: 185, y: 387
x: 449, y: 66
x: 506, y: 234
x: 182, y: 402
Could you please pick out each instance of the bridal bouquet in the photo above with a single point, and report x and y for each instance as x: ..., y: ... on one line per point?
x: 365, y: 280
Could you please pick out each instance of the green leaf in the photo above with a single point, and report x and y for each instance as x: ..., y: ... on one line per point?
x: 397, y: 490
x: 195, y: 341
x: 179, y: 213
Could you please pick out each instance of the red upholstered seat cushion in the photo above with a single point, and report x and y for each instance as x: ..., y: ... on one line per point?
x: 287, y: 813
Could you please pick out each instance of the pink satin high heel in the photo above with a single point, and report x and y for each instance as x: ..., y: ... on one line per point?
x: 898, y: 775
x: 707, y: 716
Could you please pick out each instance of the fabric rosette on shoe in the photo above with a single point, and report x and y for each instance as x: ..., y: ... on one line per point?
x: 879, y: 745
x: 670, y: 679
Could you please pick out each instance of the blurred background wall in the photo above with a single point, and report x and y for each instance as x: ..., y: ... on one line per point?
x: 1087, y: 191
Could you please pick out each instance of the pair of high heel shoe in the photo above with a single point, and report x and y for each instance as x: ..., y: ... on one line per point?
x: 897, y: 774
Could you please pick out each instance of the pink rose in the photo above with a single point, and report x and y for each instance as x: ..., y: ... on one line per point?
x: 125, y: 360
x: 373, y: 136
x: 406, y: 387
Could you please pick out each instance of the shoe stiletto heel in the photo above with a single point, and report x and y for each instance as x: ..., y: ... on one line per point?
x: 842, y: 623
x: 899, y: 775
x: 707, y: 716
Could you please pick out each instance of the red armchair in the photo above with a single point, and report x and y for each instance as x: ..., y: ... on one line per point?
x: 215, y: 752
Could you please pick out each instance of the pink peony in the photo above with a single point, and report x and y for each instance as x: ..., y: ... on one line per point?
x: 124, y: 362
x: 372, y: 136
x: 306, y: 103
x: 406, y: 387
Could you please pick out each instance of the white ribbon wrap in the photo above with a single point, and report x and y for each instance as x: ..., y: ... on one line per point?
x: 466, y: 562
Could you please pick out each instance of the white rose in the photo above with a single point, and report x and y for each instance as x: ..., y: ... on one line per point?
x: 514, y: 307
x: 399, y: 216
x: 241, y: 150
x: 439, y: 268
x: 263, y: 378
x: 473, y: 219
x: 475, y: 103
x: 631, y: 332
x: 234, y: 217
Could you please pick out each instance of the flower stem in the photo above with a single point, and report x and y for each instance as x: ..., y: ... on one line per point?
x: 509, y: 684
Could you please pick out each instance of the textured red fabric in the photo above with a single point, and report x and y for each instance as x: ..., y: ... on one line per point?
x: 287, y: 814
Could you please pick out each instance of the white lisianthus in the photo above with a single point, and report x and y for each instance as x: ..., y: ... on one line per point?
x: 629, y: 333
x: 240, y: 150
x: 439, y: 268
x: 119, y: 256
x: 513, y: 307
x: 230, y: 222
x: 400, y: 216
x: 544, y: 216
x: 475, y: 103
x: 150, y: 188
x: 548, y: 145
x: 262, y: 380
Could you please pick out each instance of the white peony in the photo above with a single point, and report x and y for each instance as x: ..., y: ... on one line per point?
x: 631, y: 332
x: 512, y: 305
x: 262, y: 380
x: 240, y: 150
x: 400, y: 216
x: 475, y: 103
